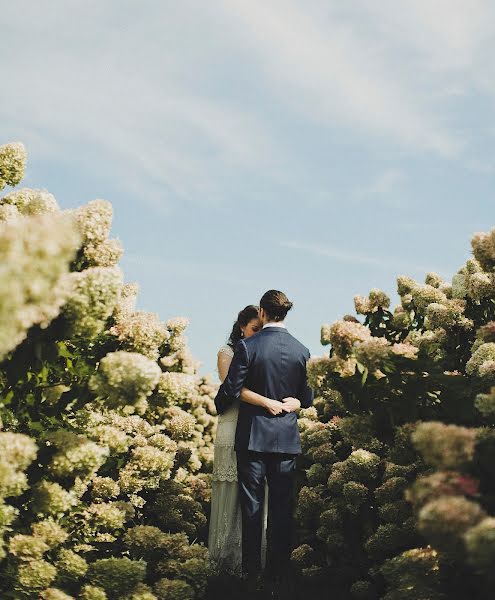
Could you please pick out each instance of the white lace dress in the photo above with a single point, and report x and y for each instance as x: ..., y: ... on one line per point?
x: 225, y: 532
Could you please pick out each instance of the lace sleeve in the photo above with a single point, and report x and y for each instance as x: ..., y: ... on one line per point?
x: 224, y: 358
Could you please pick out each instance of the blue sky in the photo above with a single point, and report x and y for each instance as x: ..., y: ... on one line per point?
x: 321, y: 148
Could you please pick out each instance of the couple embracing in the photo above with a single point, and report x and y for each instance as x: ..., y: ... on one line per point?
x: 264, y: 383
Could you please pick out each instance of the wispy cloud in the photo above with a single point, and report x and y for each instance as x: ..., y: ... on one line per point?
x: 338, y: 254
x: 385, y: 187
x: 327, y: 71
x: 116, y: 92
x: 187, y: 269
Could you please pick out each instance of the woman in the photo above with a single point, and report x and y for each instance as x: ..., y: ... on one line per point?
x: 225, y: 533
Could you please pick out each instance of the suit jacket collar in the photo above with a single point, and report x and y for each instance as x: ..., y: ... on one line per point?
x: 273, y: 330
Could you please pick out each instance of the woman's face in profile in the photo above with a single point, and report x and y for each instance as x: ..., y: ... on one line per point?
x: 252, y: 327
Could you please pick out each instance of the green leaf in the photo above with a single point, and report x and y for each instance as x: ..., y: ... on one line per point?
x: 8, y: 398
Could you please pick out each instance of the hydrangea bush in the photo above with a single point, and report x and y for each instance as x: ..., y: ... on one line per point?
x: 396, y: 477
x: 106, y: 429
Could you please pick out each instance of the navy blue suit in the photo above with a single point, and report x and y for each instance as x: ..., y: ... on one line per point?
x: 273, y: 364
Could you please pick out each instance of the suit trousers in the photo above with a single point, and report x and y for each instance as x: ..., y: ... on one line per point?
x: 279, y: 469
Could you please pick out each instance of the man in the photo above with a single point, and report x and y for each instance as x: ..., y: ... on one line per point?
x: 273, y: 364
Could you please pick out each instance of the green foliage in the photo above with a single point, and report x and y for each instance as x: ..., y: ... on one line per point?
x: 106, y: 431
x: 403, y: 425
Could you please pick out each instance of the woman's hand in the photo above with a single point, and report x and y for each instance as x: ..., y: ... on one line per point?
x: 290, y: 404
x: 274, y: 407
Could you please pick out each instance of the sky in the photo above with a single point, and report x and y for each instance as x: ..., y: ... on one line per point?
x: 317, y: 147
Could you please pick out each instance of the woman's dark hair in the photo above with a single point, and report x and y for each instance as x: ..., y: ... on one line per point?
x: 275, y: 304
x: 247, y: 314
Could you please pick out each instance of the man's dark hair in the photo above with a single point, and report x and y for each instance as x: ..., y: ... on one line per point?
x: 275, y: 304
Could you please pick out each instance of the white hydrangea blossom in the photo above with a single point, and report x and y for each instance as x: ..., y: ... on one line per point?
x: 127, y: 302
x: 8, y: 212
x: 485, y: 352
x: 31, y: 202
x: 125, y: 377
x: 343, y: 335
x: 176, y: 387
x: 17, y: 451
x: 177, y: 325
x: 106, y: 254
x: 142, y: 332
x: 13, y: 158
x: 94, y: 221
x: 35, y: 254
x: 483, y: 245
x: 94, y: 295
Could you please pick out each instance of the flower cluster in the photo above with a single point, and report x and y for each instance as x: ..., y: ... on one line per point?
x: 125, y: 378
x: 141, y: 332
x: 94, y: 295
x: 35, y: 255
x: 376, y: 299
x: 74, y: 396
x: 13, y: 158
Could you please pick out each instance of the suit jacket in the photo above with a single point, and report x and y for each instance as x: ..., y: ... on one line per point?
x: 272, y: 363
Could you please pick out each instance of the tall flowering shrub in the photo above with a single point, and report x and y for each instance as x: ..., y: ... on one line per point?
x: 396, y: 479
x: 106, y: 430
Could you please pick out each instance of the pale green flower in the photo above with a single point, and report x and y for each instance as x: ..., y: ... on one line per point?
x: 434, y: 279
x: 444, y: 446
x: 31, y: 202
x: 345, y: 334
x: 176, y: 387
x: 485, y: 403
x: 127, y: 301
x: 362, y: 305
x: 481, y: 285
x: 94, y: 295
x: 146, y: 468
x: 76, y: 455
x: 485, y: 352
x: 401, y: 318
x: 484, y: 249
x: 405, y: 285
x: 8, y: 212
x: 425, y: 295
x: 373, y: 352
x: 459, y: 285
x: 104, y: 488
x: 111, y: 436
x: 177, y: 325
x: 27, y: 547
x: 17, y: 451
x: 35, y: 254
x: 50, y: 498
x: 125, y: 377
x: 55, y: 594
x: 71, y: 564
x: 378, y: 299
x: 94, y: 221
x: 101, y: 520
x: 318, y: 368
x: 325, y: 334
x: 406, y: 350
x: 13, y: 158
x: 50, y: 532
x: 480, y: 544
x: 105, y: 254
x: 142, y: 332
x: 444, y: 315
x: 36, y: 575
x: 93, y: 592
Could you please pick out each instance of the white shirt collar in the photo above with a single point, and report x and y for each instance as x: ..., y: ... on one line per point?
x: 273, y: 324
